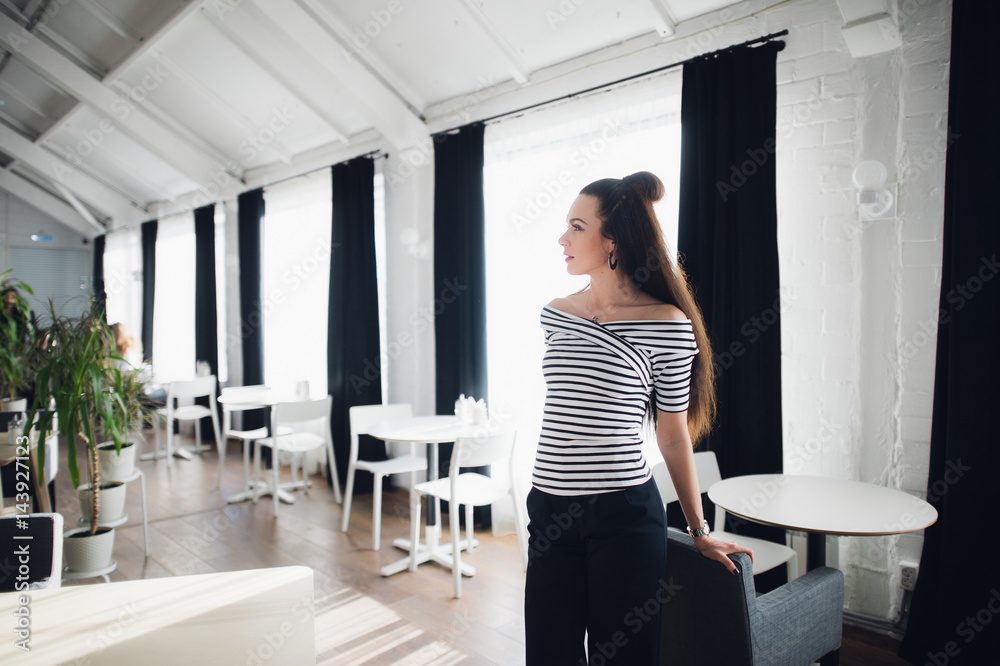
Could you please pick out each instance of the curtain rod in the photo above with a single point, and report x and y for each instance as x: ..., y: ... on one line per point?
x: 758, y: 40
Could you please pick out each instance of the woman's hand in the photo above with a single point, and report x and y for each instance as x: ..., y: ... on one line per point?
x: 718, y: 549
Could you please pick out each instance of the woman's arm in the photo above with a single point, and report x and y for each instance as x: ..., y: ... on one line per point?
x: 674, y: 442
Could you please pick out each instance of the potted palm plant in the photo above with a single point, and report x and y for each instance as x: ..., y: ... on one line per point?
x: 76, y: 372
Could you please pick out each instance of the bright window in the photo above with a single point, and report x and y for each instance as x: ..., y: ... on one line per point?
x: 296, y: 278
x: 173, y: 305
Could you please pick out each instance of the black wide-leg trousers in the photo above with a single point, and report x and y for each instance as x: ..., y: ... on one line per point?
x: 596, y: 566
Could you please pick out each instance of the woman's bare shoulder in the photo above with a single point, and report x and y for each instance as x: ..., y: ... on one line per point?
x: 658, y: 310
x: 570, y: 304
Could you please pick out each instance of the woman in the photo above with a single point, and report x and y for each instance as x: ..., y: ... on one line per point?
x: 630, y: 347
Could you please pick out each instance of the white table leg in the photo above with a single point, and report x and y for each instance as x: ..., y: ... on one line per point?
x: 434, y: 551
x: 249, y: 485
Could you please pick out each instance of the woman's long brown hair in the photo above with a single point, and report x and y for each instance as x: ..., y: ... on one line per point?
x: 627, y: 218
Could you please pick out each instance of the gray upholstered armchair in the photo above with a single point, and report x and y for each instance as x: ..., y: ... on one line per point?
x: 714, y: 617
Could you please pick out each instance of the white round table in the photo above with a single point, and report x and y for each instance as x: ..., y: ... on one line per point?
x: 820, y: 506
x: 429, y: 430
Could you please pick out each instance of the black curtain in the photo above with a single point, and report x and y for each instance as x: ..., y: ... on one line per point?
x: 354, y: 372
x: 100, y: 295
x: 206, y: 339
x: 250, y: 214
x: 728, y: 243
x: 148, y: 286
x: 459, y: 266
x: 955, y: 613
x: 459, y: 275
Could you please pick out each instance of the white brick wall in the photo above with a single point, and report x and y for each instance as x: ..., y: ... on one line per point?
x: 855, y: 350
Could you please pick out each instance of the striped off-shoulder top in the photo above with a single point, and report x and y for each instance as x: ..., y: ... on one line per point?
x: 599, y: 379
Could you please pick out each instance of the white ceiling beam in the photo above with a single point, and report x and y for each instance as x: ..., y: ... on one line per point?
x: 116, y: 171
x: 663, y: 19
x: 98, y: 11
x: 108, y: 202
x: 341, y: 32
x: 79, y: 207
x: 516, y: 65
x: 257, y: 43
x: 119, y: 111
x: 32, y: 7
x: 361, y: 89
x: 14, y: 93
x: 21, y: 127
x: 178, y: 128
x: 93, y: 67
x: 35, y: 196
x: 145, y: 45
x: 223, y: 105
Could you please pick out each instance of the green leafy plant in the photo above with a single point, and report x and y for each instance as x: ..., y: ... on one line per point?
x: 132, y: 407
x: 17, y: 337
x: 77, y: 371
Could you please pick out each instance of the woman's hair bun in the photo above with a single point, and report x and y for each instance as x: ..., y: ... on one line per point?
x: 646, y: 184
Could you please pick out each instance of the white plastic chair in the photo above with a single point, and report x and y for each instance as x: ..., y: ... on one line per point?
x: 766, y: 554
x: 235, y: 393
x: 469, y: 489
x: 202, y: 387
x: 362, y: 418
x: 303, y: 417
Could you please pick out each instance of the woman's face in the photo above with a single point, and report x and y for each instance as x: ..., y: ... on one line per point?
x: 586, y: 249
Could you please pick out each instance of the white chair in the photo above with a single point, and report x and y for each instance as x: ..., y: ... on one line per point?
x: 362, y: 418
x: 202, y: 387
x: 303, y: 418
x: 470, y: 489
x: 766, y: 554
x: 233, y: 402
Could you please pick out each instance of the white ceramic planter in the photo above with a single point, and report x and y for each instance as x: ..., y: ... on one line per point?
x: 112, y: 501
x: 114, y: 466
x: 88, y: 553
x: 8, y: 405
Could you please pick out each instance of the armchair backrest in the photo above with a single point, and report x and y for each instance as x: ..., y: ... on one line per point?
x: 707, y: 610
x: 714, y: 617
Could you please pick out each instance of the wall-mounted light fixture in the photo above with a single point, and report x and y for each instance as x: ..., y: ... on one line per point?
x: 876, y: 198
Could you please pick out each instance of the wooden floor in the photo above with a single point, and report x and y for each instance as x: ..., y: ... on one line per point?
x: 361, y: 617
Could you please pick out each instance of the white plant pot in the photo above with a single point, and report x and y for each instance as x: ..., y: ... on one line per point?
x: 115, y: 466
x: 19, y: 405
x: 88, y: 553
x: 112, y: 501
